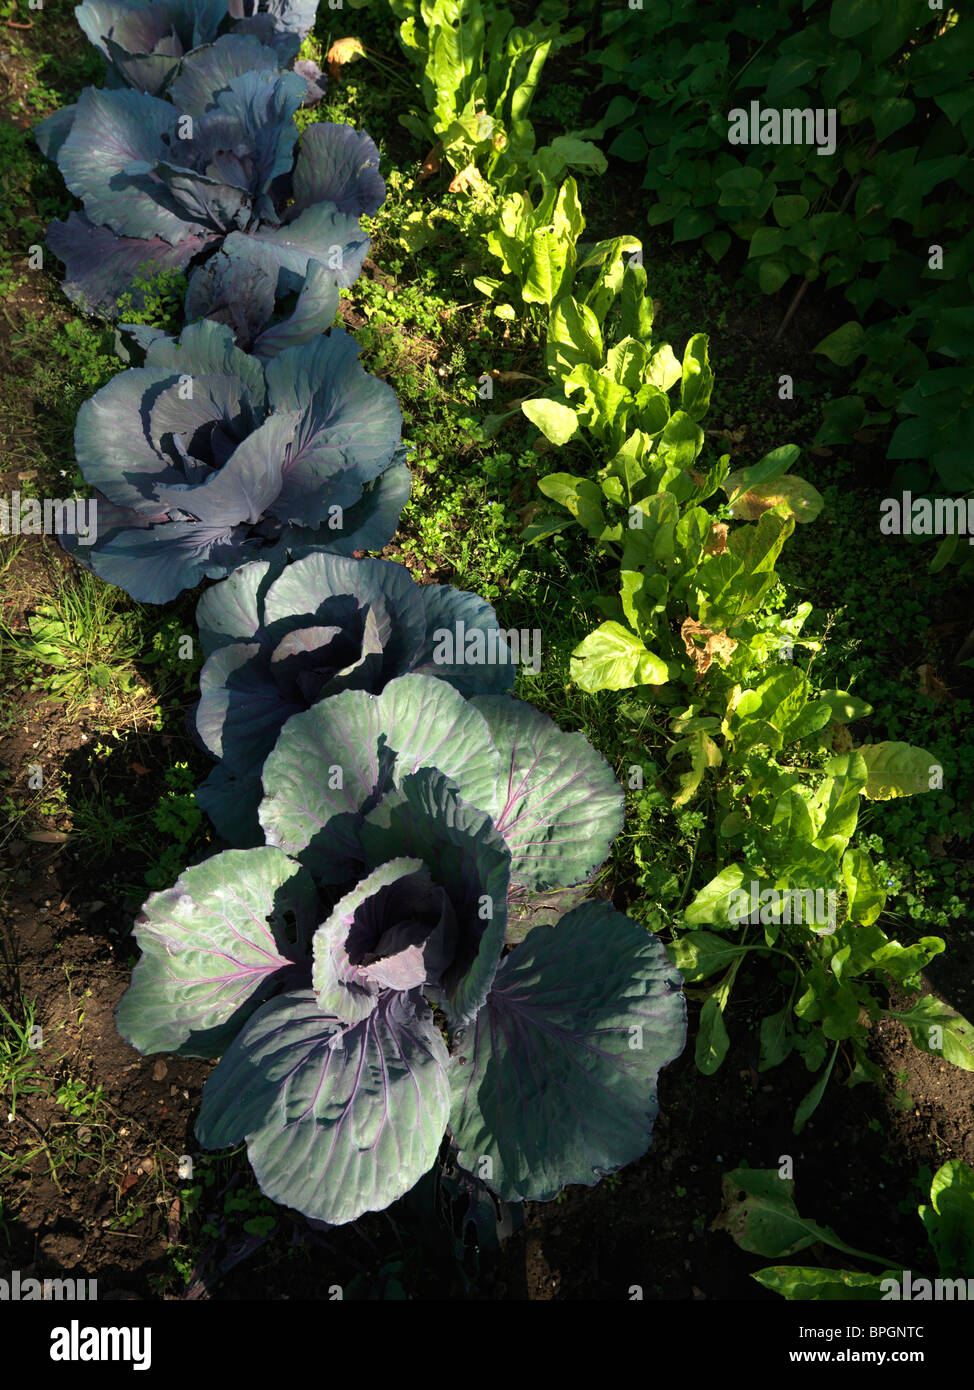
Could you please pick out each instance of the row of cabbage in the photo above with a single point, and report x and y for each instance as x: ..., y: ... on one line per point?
x: 374, y: 960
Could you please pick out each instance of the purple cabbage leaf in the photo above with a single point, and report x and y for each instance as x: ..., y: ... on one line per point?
x: 552, y: 797
x: 557, y: 1085
x: 267, y: 309
x: 207, y: 458
x: 278, y: 641
x: 166, y: 183
x: 339, y: 1077
x: 144, y: 42
x: 282, y: 19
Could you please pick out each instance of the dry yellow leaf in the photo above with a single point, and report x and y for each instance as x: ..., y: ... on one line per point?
x: 717, y: 543
x: 931, y: 685
x: 468, y: 179
x: 715, y: 644
x: 431, y: 164
x: 341, y: 52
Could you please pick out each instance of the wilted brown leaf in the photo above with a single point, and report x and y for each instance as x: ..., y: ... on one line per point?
x: 732, y: 436
x: 431, y: 164
x: 930, y: 685
x: 749, y: 506
x: 797, y: 494
x: 715, y: 644
x: 717, y: 543
x: 467, y: 180
x: 841, y: 738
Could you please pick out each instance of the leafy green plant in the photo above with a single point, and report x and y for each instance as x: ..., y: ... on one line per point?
x: 480, y: 72
x: 760, y: 1214
x: 179, y: 819
x: 876, y: 206
x: 538, y: 248
x: 82, y: 644
x: 330, y: 986
x: 698, y: 629
x: 77, y: 1099
x: 535, y: 244
x: 20, y: 1074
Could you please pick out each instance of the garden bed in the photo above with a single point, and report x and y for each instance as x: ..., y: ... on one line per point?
x: 90, y: 1175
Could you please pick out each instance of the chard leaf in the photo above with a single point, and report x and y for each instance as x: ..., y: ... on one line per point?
x: 573, y: 336
x: 555, y: 421
x: 760, y: 1214
x: 712, y: 904
x: 697, y: 378
x: 935, y: 1027
x: 613, y: 658
x: 712, y: 1037
x: 777, y: 1039
x: 765, y: 471
x: 809, y: 1284
x: 799, y: 497
x: 844, y: 707
x: 949, y: 1220
x: 699, y: 954
x: 896, y: 769
x: 550, y: 262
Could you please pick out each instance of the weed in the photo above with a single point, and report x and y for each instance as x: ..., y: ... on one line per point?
x: 20, y: 1071
x: 77, y: 1100
x: 82, y: 646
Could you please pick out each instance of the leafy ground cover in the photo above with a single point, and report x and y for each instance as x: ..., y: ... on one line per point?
x: 99, y: 769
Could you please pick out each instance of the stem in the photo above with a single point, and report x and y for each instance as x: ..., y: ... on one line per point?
x: 800, y: 292
x: 686, y: 883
